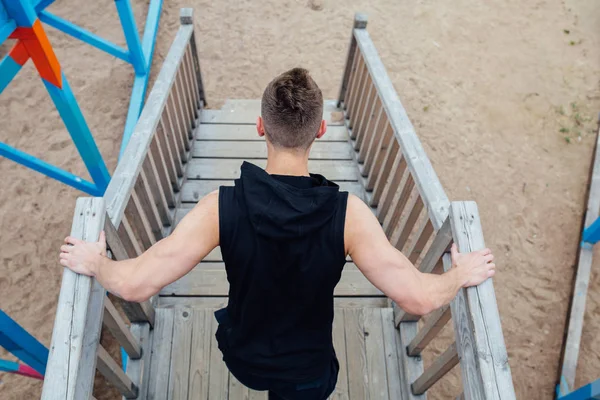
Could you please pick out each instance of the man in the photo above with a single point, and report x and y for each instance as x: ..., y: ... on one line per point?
x: 284, y: 235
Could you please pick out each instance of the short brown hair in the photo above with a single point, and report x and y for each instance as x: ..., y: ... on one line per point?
x: 292, y: 109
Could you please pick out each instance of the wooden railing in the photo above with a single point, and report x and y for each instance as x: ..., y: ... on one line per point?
x: 418, y: 218
x: 135, y: 212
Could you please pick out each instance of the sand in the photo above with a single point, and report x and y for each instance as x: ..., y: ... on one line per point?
x: 503, y: 96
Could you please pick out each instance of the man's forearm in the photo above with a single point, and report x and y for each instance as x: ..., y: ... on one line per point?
x: 441, y: 289
x: 118, y: 277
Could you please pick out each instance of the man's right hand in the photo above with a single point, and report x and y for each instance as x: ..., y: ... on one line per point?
x: 473, y: 268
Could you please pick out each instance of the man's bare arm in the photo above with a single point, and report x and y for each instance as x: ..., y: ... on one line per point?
x: 392, y: 273
x: 139, y: 278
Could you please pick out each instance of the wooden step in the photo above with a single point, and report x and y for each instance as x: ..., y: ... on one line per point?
x: 194, y: 190
x: 248, y: 133
x: 258, y: 150
x: 215, y: 168
x: 210, y: 279
x: 247, y: 111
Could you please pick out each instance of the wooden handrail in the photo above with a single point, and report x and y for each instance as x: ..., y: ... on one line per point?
x: 76, y: 334
x: 426, y: 179
x: 121, y: 185
x: 401, y: 183
x: 477, y: 326
x: 135, y: 212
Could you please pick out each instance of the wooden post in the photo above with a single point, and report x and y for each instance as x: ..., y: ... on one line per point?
x: 477, y: 328
x: 186, y: 17
x: 360, y: 22
x: 76, y: 334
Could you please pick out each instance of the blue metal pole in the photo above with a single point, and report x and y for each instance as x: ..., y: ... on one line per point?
x: 69, y: 110
x: 131, y: 36
x: 140, y: 83
x: 9, y: 68
x: 588, y: 392
x: 49, y: 170
x: 84, y: 35
x: 591, y: 234
x: 21, y: 344
x: 41, y: 4
x: 151, y: 30
x: 6, y: 28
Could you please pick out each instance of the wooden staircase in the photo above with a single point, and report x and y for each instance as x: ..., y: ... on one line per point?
x: 181, y: 151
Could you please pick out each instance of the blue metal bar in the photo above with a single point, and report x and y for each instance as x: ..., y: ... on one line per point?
x: 84, y: 35
x: 69, y: 110
x: 140, y: 83
x: 49, y: 170
x: 21, y: 11
x: 21, y: 344
x: 9, y: 68
x: 138, y: 92
x: 131, y: 36
x: 41, y: 4
x: 8, y: 366
x: 588, y: 392
x: 6, y: 29
x: 150, y: 30
x: 591, y: 234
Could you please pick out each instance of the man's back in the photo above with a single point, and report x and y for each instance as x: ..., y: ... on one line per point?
x: 282, y: 240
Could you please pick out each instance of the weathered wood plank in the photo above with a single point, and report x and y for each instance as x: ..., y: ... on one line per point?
x: 374, y: 347
x: 440, y: 367
x: 121, y: 184
x: 247, y: 133
x: 434, y: 324
x: 411, y: 367
x: 383, y: 175
x: 237, y: 391
x: 364, y: 106
x: 193, y: 190
x: 426, y: 179
x: 139, y: 370
x: 360, y: 22
x: 116, y: 326
x: 161, y: 355
x: 406, y: 225
x: 153, y: 180
x: 399, y: 174
x: 422, y: 235
x: 371, y: 131
x: 200, y: 353
x: 165, y: 169
x: 339, y: 344
x: 392, y: 362
x: 256, y: 150
x: 358, y: 374
x: 76, y: 333
x: 480, y: 342
x: 210, y: 279
x: 357, y: 94
x: 115, y: 374
x: 357, y: 67
x: 207, y: 168
x: 180, y: 354
x: 218, y: 385
x: 582, y: 277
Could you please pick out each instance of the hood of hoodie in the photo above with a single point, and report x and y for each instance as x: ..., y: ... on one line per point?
x: 285, y: 207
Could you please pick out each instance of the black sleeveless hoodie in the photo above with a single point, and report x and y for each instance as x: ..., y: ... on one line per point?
x: 282, y: 240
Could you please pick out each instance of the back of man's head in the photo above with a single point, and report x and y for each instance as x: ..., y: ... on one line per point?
x: 292, y: 110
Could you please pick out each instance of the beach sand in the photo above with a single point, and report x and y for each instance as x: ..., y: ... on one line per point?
x: 504, y: 97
